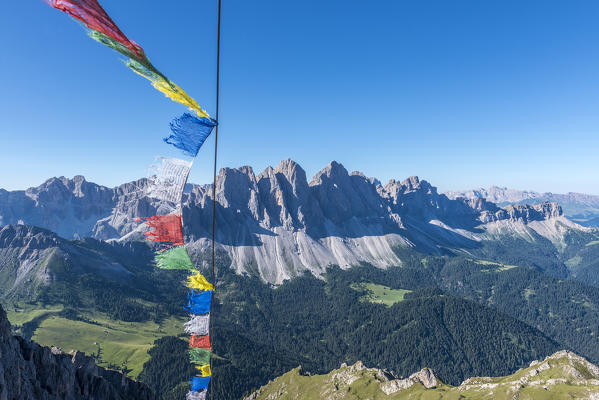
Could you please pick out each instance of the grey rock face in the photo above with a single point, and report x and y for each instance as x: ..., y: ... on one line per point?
x: 30, y: 371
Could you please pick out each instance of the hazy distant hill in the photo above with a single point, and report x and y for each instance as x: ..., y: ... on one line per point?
x: 579, y: 207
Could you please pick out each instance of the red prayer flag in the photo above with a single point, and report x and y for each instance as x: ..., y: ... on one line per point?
x: 202, y: 342
x: 91, y: 13
x: 166, y: 228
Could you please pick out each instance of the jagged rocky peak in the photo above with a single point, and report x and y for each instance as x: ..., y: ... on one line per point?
x: 371, y: 180
x: 415, y: 197
x: 77, y: 185
x: 235, y: 186
x: 413, y: 183
x: 495, y: 194
x: 294, y: 174
x: 30, y: 371
x: 287, y: 175
x: 395, y: 189
x: 333, y: 172
x: 64, y: 188
x: 342, y: 196
x: 284, y: 194
x: 479, y: 204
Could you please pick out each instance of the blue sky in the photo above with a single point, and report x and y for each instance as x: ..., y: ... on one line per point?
x: 461, y: 93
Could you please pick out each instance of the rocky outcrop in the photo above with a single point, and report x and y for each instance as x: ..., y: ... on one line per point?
x: 30, y: 371
x: 426, y: 377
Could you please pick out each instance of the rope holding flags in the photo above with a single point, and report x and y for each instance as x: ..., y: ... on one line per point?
x: 169, y: 176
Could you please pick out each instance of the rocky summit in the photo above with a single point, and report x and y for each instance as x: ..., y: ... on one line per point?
x: 277, y: 225
x: 30, y: 371
x: 563, y: 375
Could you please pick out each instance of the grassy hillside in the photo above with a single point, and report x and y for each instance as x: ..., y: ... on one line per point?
x: 379, y: 293
x: 115, y: 344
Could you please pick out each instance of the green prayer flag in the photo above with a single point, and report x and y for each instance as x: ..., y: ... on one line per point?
x: 199, y: 356
x: 174, y: 258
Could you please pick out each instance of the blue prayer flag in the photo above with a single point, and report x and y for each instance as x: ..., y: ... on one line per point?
x: 199, y: 383
x: 199, y: 302
x: 189, y: 133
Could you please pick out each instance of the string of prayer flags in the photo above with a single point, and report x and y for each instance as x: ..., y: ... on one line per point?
x: 104, y: 30
x: 167, y: 180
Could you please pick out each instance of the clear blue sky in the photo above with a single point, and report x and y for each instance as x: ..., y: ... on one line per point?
x: 461, y: 93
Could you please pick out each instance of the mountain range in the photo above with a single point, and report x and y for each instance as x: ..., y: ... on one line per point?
x: 579, y: 207
x: 277, y: 224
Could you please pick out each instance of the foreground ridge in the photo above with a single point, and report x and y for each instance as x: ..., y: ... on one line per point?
x: 563, y: 375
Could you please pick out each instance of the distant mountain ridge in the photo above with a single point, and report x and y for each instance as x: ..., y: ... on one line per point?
x: 277, y: 224
x: 581, y: 208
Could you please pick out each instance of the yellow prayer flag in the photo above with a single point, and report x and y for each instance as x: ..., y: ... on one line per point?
x: 204, y: 370
x: 197, y: 281
x: 168, y: 87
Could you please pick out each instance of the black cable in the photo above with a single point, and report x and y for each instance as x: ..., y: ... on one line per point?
x: 214, y: 184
